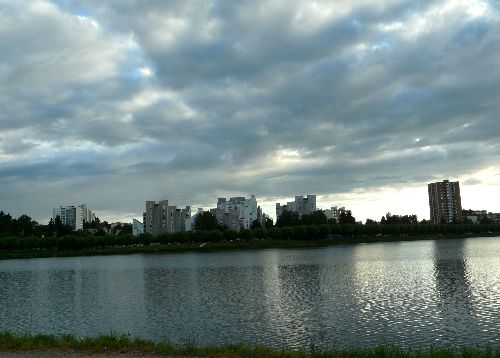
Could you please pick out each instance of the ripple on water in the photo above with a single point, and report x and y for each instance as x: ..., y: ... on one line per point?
x: 411, y: 293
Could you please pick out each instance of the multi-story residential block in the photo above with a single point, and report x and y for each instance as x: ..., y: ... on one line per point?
x: 137, y: 227
x: 334, y: 212
x: 227, y: 217
x: 476, y: 216
x: 301, y: 206
x: 161, y: 217
x: 444, y: 202
x: 73, y: 216
x: 245, y: 209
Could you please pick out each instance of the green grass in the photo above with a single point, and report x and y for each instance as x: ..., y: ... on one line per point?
x: 125, y: 343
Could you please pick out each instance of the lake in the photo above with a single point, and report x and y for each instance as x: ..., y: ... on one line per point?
x: 412, y: 293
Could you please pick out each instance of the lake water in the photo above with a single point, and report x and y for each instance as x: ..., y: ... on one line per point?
x: 414, y: 294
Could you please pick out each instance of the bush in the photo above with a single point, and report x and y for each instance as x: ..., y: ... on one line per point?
x: 287, y: 233
x: 213, y: 235
x: 274, y: 233
x: 230, y: 235
x: 246, y: 234
x: 259, y: 233
x: 324, y: 231
x: 312, y: 232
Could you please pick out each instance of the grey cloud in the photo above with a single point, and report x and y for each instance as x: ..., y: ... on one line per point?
x: 233, y: 84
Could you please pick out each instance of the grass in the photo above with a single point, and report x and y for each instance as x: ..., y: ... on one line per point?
x: 221, y: 246
x: 126, y: 344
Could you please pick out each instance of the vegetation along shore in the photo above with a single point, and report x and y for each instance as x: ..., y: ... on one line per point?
x: 10, y: 342
x: 303, y: 236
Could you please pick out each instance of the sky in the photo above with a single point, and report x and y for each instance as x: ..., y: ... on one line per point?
x: 112, y: 103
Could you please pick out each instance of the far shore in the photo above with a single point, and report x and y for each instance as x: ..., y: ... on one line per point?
x: 233, y: 245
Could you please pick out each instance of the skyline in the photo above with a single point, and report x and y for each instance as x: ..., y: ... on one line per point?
x: 113, y: 104
x: 273, y: 216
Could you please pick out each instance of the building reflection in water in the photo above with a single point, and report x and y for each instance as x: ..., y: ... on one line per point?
x: 453, y: 291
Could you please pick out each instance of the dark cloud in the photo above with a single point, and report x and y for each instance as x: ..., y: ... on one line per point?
x: 112, y: 103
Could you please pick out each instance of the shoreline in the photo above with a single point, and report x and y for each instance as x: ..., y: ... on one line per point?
x: 237, y: 245
x: 126, y: 345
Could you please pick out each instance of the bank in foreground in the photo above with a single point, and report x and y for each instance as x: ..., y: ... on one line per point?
x: 128, y: 345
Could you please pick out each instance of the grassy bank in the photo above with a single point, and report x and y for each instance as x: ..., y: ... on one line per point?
x: 221, y: 246
x: 126, y: 344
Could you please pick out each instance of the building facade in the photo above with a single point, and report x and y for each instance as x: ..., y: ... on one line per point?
x: 236, y: 213
x: 301, y: 206
x: 477, y: 216
x: 161, y: 217
x: 444, y: 202
x: 137, y: 227
x: 74, y: 216
x: 334, y: 212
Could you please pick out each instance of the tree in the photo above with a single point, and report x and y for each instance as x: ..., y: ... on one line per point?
x: 24, y: 226
x: 268, y: 223
x: 485, y: 220
x: 5, y: 224
x: 288, y: 218
x: 346, y: 217
x: 255, y: 224
x: 205, y: 221
x: 370, y: 222
x: 399, y: 219
x: 316, y: 218
x: 60, y: 228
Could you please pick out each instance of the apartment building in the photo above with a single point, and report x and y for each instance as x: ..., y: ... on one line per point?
x: 444, y: 202
x: 334, y: 212
x: 301, y: 206
x: 476, y: 216
x: 246, y: 211
x: 73, y: 216
x: 160, y: 217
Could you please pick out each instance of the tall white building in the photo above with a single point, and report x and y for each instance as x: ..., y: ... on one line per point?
x: 73, y: 216
x: 246, y: 209
x: 301, y: 206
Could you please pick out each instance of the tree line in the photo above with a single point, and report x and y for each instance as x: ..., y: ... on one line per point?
x: 24, y: 233
x: 24, y: 226
x: 339, y: 232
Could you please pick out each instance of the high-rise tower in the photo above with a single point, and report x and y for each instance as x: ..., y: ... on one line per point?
x: 444, y: 202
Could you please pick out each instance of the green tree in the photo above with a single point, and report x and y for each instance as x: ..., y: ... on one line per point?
x: 485, y: 220
x: 205, y: 221
x: 316, y: 218
x: 288, y: 218
x: 255, y: 224
x: 5, y: 224
x: 60, y: 228
x: 346, y: 217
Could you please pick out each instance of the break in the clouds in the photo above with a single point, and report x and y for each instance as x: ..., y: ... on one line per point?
x: 113, y: 103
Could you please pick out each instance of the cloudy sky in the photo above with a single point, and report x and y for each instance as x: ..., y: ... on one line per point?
x: 112, y: 103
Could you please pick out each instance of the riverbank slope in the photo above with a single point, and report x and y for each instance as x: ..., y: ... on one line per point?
x: 42, y: 345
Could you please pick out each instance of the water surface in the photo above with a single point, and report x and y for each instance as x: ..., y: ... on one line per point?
x: 414, y: 294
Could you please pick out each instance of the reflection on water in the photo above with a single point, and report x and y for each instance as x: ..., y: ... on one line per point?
x: 411, y: 293
x: 454, y: 291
